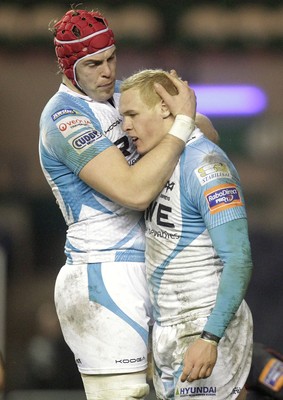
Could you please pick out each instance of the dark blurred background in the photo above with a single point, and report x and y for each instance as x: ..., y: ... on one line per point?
x: 212, y: 43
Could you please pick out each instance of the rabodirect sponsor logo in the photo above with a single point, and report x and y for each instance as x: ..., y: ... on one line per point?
x: 222, y: 197
x: 64, y: 111
x: 85, y: 139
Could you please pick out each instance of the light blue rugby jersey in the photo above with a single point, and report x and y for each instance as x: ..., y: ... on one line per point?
x: 73, y: 130
x: 183, y: 268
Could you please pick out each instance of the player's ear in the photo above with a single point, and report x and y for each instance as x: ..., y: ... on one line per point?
x: 165, y: 112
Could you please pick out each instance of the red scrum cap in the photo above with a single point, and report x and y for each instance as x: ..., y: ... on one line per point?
x: 78, y: 34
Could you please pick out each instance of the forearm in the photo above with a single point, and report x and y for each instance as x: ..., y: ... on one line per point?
x: 150, y: 174
x: 206, y: 126
x: 136, y: 186
x: 155, y: 168
x: 232, y: 245
x: 133, y: 186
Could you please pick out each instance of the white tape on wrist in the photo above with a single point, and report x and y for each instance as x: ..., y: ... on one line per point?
x: 182, y: 127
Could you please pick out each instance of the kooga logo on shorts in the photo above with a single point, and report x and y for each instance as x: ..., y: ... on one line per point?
x: 85, y: 139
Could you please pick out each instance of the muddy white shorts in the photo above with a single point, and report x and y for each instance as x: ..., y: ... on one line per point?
x: 116, y: 387
x: 231, y: 369
x: 104, y: 313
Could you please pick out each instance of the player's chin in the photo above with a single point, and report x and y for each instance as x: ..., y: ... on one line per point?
x: 140, y: 148
x: 105, y: 93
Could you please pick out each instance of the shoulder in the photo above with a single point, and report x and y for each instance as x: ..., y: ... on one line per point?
x: 203, y: 160
x: 199, y: 149
x: 117, y: 86
x: 117, y: 93
x: 60, y: 103
x: 64, y: 106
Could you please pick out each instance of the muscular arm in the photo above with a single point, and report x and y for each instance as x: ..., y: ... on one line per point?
x: 206, y: 126
x: 232, y: 245
x: 136, y: 186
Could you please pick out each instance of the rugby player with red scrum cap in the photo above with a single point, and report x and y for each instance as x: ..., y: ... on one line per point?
x: 90, y: 164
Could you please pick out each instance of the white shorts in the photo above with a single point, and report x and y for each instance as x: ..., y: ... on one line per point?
x: 116, y: 387
x: 231, y: 369
x: 104, y: 312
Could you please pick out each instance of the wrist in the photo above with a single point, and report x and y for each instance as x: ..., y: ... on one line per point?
x: 182, y: 127
x: 209, y: 337
x: 212, y: 342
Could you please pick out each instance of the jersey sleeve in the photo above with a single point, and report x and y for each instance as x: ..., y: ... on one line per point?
x: 218, y: 197
x: 73, y: 138
x: 217, y: 191
x: 231, y: 243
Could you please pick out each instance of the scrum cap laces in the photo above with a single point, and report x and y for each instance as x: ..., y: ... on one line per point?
x: 78, y: 34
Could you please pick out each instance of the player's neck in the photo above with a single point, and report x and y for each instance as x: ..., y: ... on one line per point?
x: 69, y: 85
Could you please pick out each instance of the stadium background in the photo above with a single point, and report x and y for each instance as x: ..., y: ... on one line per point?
x: 224, y: 42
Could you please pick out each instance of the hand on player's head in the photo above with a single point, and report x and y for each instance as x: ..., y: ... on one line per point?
x: 184, y: 102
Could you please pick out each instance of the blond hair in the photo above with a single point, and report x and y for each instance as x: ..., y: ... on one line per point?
x: 144, y: 82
